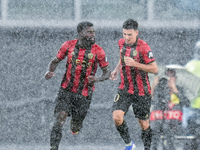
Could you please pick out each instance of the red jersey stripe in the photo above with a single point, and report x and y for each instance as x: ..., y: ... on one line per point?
x: 81, y: 63
x: 132, y: 79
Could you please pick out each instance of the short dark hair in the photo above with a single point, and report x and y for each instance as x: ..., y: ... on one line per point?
x: 130, y: 24
x: 83, y: 25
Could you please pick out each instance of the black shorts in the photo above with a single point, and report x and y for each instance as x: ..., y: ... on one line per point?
x: 140, y: 104
x: 76, y: 105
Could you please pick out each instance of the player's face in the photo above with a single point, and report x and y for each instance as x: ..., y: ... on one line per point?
x: 88, y: 35
x: 130, y: 36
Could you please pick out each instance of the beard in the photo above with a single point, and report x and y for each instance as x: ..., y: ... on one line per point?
x: 88, y: 41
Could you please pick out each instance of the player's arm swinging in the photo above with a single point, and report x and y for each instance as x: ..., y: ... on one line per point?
x: 116, y: 70
x: 105, y: 75
x: 52, y: 67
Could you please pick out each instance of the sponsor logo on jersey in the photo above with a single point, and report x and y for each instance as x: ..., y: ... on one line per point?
x: 90, y: 55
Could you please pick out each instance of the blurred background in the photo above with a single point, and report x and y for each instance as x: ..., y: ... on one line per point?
x: 31, y: 33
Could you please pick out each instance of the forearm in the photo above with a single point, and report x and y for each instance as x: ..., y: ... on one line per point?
x: 54, y: 63
x: 117, y: 68
x: 105, y: 75
x: 150, y: 68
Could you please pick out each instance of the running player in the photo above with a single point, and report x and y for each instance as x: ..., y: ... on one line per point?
x: 77, y: 85
x: 136, y: 61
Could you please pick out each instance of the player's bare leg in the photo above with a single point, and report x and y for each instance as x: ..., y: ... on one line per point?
x: 56, y: 133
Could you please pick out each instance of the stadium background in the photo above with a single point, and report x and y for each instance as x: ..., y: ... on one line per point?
x: 33, y: 31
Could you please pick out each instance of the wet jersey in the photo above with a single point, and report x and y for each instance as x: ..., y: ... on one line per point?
x: 134, y: 80
x: 80, y: 64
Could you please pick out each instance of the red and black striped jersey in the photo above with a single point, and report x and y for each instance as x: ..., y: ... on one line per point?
x: 80, y: 64
x: 134, y: 80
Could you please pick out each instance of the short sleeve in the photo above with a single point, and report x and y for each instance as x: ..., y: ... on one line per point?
x: 101, y: 56
x: 147, y: 54
x: 62, y: 53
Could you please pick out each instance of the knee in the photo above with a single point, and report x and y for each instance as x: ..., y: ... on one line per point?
x: 144, y: 124
x: 61, y: 118
x: 118, y: 118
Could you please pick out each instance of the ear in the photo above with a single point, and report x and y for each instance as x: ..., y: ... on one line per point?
x: 81, y: 33
x: 137, y: 32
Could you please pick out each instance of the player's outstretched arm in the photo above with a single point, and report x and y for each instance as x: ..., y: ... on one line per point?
x: 52, y: 67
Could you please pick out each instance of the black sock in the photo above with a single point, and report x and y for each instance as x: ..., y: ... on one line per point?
x: 123, y: 131
x: 55, y: 137
x: 146, y: 138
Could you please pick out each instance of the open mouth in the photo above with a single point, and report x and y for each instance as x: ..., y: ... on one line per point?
x: 91, y: 40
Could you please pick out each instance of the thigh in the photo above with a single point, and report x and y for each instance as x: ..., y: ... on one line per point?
x: 141, y: 106
x: 63, y: 102
x: 80, y: 107
x: 122, y: 101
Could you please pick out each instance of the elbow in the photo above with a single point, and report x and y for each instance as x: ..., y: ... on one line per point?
x: 154, y: 71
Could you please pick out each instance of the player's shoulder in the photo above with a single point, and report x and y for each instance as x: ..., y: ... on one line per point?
x: 70, y: 43
x: 97, y: 47
x: 121, y: 42
x: 142, y: 42
x: 143, y: 46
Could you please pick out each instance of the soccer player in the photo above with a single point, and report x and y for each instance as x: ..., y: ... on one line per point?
x: 136, y: 61
x: 77, y: 85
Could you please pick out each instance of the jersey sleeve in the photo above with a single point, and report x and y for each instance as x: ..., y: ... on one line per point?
x: 62, y: 53
x: 101, y: 56
x: 147, y: 54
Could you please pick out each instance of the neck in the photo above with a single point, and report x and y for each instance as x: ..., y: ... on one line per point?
x: 132, y: 45
x: 83, y: 44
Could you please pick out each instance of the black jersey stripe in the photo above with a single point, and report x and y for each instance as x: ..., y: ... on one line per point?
x: 83, y: 71
x: 133, y: 73
x: 67, y: 65
x: 94, y: 66
x: 126, y: 82
x: 90, y: 86
x: 73, y: 69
